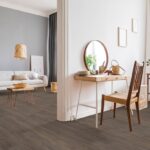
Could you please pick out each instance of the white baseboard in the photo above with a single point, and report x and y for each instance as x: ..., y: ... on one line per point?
x: 90, y: 113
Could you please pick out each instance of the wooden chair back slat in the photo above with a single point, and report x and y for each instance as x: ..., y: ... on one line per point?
x: 135, y: 81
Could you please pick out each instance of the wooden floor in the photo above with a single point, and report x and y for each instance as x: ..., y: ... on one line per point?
x: 34, y: 127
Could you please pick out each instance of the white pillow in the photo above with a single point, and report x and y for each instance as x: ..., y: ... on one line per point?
x: 20, y: 77
x: 33, y: 76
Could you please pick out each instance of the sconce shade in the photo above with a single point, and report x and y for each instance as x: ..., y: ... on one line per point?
x: 20, y: 51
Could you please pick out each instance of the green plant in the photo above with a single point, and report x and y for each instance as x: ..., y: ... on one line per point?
x: 90, y: 61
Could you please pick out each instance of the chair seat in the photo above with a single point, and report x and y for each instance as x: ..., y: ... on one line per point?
x: 120, y: 98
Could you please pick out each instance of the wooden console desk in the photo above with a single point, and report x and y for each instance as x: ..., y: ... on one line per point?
x: 97, y: 79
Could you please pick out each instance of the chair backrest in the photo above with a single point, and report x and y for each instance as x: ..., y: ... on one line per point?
x: 136, y: 80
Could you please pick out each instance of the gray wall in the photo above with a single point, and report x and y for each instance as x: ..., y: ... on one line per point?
x: 20, y: 27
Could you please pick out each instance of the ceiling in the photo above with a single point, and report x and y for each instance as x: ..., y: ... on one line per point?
x: 39, y: 7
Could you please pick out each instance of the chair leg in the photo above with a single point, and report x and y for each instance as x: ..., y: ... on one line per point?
x: 44, y: 89
x: 129, y: 118
x: 114, y: 111
x: 102, y: 109
x: 138, y: 113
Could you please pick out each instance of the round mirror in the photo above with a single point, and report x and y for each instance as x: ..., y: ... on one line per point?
x: 96, y: 57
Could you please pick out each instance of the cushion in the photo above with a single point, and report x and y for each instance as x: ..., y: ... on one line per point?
x: 32, y: 82
x: 5, y: 83
x: 20, y: 77
x: 8, y: 83
x: 33, y: 75
x: 6, y: 75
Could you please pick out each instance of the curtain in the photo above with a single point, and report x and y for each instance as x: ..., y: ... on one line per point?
x: 53, y: 48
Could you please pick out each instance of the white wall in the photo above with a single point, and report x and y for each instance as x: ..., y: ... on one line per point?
x: 99, y: 20
x: 148, y: 35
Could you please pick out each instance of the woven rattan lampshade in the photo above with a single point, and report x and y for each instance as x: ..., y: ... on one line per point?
x: 20, y: 51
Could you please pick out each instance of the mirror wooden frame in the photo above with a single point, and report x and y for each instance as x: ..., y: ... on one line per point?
x: 105, y: 52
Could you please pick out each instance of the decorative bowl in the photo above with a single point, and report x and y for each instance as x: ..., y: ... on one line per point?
x: 20, y: 85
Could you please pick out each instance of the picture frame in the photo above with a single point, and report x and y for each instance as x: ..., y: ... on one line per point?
x: 122, y: 37
x: 134, y: 25
x: 37, y: 64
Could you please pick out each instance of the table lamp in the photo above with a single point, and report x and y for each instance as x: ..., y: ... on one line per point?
x: 20, y: 51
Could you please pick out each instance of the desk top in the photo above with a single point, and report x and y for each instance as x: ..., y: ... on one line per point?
x: 101, y: 78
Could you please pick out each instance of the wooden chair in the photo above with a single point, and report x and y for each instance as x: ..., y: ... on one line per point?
x: 127, y: 98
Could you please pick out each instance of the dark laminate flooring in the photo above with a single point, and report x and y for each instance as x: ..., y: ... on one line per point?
x: 34, y: 127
